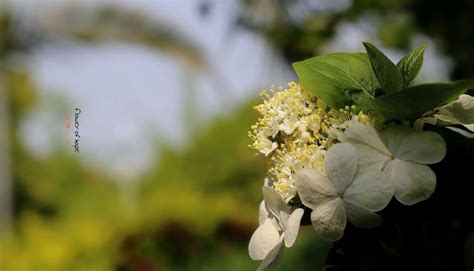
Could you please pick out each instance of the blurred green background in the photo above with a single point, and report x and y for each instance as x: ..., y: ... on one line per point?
x: 180, y: 193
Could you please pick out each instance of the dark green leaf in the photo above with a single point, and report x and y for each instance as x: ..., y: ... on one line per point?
x: 387, y: 73
x: 411, y: 64
x: 413, y: 102
x: 336, y: 77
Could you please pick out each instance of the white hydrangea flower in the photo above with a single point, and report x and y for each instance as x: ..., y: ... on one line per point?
x: 460, y: 111
x: 402, y: 153
x: 342, y: 194
x: 265, y: 145
x: 277, y: 227
x: 288, y: 125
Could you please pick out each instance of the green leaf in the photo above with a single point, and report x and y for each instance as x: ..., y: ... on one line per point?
x: 336, y: 77
x: 410, y: 65
x: 413, y: 102
x: 387, y: 73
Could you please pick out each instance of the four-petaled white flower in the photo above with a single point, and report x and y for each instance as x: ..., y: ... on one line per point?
x: 342, y: 194
x: 277, y: 227
x: 402, y: 153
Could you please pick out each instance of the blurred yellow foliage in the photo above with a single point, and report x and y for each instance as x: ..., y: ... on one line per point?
x: 76, y: 218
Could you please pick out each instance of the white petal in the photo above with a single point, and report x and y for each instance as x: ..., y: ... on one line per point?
x: 423, y: 147
x: 461, y: 131
x: 458, y: 112
x: 467, y: 102
x: 267, y: 182
x: 419, y: 123
x: 340, y: 163
x: 283, y: 220
x: 372, y: 189
x: 329, y: 219
x: 358, y: 133
x: 263, y: 240
x: 274, y: 201
x: 293, y: 226
x: 361, y: 216
x: 263, y: 213
x: 470, y: 127
x: 313, y: 187
x: 273, y: 256
x: 393, y: 136
x: 267, y: 146
x: 412, y: 182
x: 370, y: 158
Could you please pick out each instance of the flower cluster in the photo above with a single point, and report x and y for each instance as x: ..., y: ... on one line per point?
x: 295, y: 131
x: 344, y: 165
x: 348, y: 142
